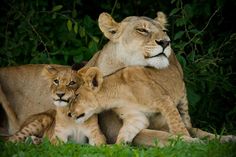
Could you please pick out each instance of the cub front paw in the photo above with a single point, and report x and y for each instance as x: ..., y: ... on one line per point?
x: 100, y: 140
x: 124, y: 139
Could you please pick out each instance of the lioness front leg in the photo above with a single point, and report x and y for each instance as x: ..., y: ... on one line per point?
x: 133, y: 123
x: 167, y: 108
x: 184, y: 112
x: 93, y: 132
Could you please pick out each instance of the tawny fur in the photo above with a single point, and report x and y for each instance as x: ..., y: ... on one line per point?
x: 134, y: 93
x: 128, y: 45
x: 37, y: 125
x: 55, y: 124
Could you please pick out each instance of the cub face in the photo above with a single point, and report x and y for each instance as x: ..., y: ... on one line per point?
x: 86, y: 104
x: 142, y: 40
x: 63, y: 84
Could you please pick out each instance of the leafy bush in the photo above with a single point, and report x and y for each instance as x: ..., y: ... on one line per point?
x: 33, y: 34
x: 202, y: 32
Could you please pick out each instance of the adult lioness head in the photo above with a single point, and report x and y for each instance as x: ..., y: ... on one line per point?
x: 134, y: 41
x: 63, y: 84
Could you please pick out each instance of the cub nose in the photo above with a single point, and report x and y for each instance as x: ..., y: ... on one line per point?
x: 74, y: 115
x: 163, y: 43
x: 80, y: 116
x: 60, y: 94
x: 69, y: 114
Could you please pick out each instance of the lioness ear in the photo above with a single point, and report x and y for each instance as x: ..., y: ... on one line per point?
x: 49, y: 71
x: 161, y: 18
x: 108, y: 26
x: 93, y: 78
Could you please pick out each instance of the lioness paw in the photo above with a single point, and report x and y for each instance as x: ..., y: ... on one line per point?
x: 228, y: 138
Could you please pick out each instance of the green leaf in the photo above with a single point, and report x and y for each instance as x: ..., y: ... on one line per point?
x: 189, y: 10
x: 92, y: 46
x: 180, y: 22
x: 174, y: 11
x: 69, y: 25
x: 54, y: 16
x: 78, y: 58
x: 191, y: 56
x: 172, y: 1
x: 82, y: 32
x: 76, y: 27
x: 178, y: 35
x: 193, y: 97
x: 57, y: 8
x: 74, y: 13
x: 195, y: 31
x: 181, y: 60
x: 197, y: 40
x: 96, y: 39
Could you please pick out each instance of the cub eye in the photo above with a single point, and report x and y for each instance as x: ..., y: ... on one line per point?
x: 142, y: 30
x: 165, y: 30
x: 56, y: 81
x: 72, y: 83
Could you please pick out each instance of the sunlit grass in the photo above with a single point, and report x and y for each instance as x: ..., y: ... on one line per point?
x: 174, y: 149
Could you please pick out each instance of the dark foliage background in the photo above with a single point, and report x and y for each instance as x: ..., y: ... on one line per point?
x: 202, y: 32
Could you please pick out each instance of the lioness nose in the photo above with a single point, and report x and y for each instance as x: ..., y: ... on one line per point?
x: 163, y: 43
x: 60, y: 94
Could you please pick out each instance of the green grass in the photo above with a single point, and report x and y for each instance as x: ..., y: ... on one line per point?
x: 174, y: 149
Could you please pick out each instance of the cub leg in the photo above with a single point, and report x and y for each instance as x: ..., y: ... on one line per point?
x: 93, y: 132
x: 133, y: 123
x: 34, y: 126
x: 167, y: 108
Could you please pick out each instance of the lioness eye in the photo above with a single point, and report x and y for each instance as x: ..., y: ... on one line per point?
x: 142, y: 30
x: 72, y: 83
x: 56, y: 81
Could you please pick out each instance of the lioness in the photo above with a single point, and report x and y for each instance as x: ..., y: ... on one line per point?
x: 55, y: 124
x: 133, y: 41
x: 134, y: 93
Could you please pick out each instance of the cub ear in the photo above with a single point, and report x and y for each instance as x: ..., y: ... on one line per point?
x: 49, y: 71
x: 161, y: 18
x: 92, y: 77
x: 108, y: 26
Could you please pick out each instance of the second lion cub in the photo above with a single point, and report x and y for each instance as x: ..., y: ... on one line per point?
x: 133, y: 93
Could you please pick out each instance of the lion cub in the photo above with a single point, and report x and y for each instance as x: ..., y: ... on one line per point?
x: 132, y: 93
x: 55, y: 124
